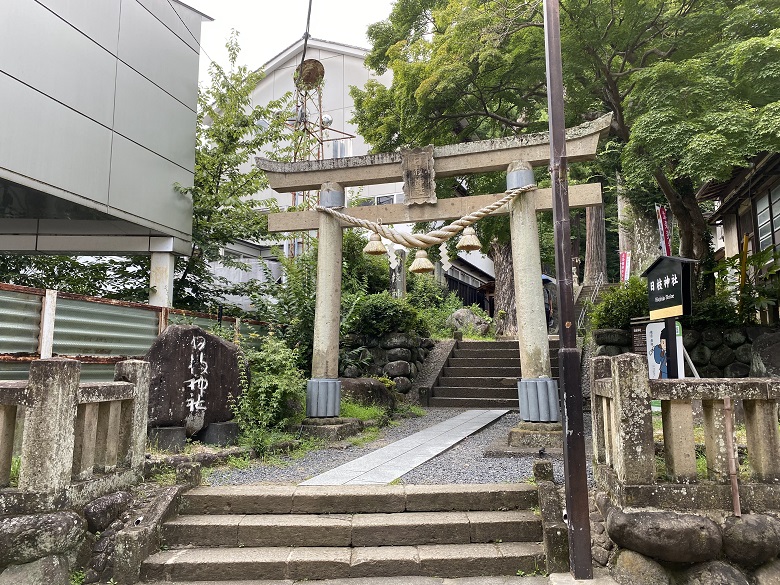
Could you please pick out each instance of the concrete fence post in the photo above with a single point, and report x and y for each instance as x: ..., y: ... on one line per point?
x: 132, y: 435
x: 600, y: 367
x: 634, y: 460
x: 763, y: 439
x: 49, y: 427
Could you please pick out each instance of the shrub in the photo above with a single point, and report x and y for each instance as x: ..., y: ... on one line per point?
x: 618, y: 305
x: 716, y: 311
x: 382, y: 313
x: 274, y: 396
x: 434, y: 304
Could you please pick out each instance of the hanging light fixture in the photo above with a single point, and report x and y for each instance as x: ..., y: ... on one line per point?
x: 421, y: 263
x: 469, y: 241
x: 374, y: 246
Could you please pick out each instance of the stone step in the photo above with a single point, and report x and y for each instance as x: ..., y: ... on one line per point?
x: 474, y: 402
x: 479, y: 353
x: 441, y: 560
x: 462, y: 392
x: 357, y: 499
x: 487, y: 345
x: 461, y: 362
x: 405, y: 528
x: 475, y: 382
x: 506, y: 372
x: 539, y: 579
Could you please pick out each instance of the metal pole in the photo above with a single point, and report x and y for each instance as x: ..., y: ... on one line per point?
x: 570, y: 389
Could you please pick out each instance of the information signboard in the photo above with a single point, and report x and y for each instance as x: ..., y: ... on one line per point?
x: 669, y: 287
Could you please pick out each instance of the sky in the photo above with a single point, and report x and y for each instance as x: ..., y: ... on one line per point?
x: 267, y: 27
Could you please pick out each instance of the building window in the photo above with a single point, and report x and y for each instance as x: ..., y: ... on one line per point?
x: 768, y: 219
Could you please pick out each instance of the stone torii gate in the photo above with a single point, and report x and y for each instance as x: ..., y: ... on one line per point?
x: 418, y: 170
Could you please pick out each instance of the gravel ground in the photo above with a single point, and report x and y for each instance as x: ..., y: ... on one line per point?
x: 463, y: 463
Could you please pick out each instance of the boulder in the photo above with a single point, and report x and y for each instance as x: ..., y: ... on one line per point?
x: 751, y: 540
x: 397, y: 368
x: 194, y: 374
x: 378, y: 356
x: 351, y: 372
x: 677, y: 538
x: 744, y: 353
x: 102, y: 512
x: 713, y: 573
x: 700, y: 355
x: 427, y: 343
x: 766, y: 356
x: 710, y: 371
x: 465, y: 318
x: 399, y: 353
x: 712, y: 338
x: 402, y: 384
x: 722, y: 356
x: 769, y: 574
x: 734, y: 337
x: 26, y: 538
x: 608, y: 350
x: 690, y: 338
x: 736, y: 370
x: 392, y: 340
x: 367, y: 391
x: 51, y: 570
x: 630, y: 568
x: 611, y: 337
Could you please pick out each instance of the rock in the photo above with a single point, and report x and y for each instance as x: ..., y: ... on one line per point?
x: 49, y: 570
x: 413, y: 371
x: 722, y: 356
x: 26, y: 538
x: 397, y: 368
x: 736, y: 370
x: 751, y: 540
x: 712, y: 338
x: 422, y: 353
x: 465, y: 318
x: 392, y: 340
x: 755, y: 332
x: 402, y: 384
x: 378, y: 356
x: 714, y: 573
x: 367, y: 391
x: 690, y: 338
x: 599, y: 555
x: 100, y: 513
x: 375, y: 370
x: 700, y: 355
x: 611, y: 337
x: 734, y: 337
x: 630, y: 568
x: 351, y: 372
x: 744, y: 353
x: 608, y: 350
x: 766, y: 356
x: 677, y: 538
x: 769, y: 574
x: 710, y: 371
x: 194, y: 374
x: 399, y: 353
x: 427, y: 343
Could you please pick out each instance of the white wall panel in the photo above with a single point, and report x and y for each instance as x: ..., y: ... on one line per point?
x: 62, y: 63
x: 147, y: 46
x: 142, y: 185
x: 51, y: 143
x: 98, y: 20
x: 186, y: 27
x: 146, y: 114
x: 334, y: 88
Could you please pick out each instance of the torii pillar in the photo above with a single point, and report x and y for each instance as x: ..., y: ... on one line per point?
x: 332, y: 175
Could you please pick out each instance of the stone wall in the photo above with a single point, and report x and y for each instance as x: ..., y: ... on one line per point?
x: 716, y: 353
x: 398, y: 356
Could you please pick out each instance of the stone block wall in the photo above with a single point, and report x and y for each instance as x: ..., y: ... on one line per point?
x: 716, y: 353
x: 398, y: 356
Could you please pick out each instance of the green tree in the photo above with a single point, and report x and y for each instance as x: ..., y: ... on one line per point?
x: 230, y: 132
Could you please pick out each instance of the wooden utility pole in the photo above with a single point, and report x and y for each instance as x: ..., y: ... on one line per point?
x: 570, y: 389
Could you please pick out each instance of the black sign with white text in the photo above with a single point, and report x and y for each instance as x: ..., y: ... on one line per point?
x: 669, y: 287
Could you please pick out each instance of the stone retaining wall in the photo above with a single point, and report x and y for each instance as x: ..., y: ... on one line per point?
x: 398, y: 356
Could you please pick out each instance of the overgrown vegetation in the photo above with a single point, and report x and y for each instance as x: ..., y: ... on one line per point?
x: 16, y: 466
x: 363, y: 412
x: 619, y: 304
x: 433, y: 303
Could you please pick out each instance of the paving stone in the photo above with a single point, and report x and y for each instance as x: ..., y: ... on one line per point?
x: 388, y: 561
x: 295, y: 530
x: 323, y: 562
x: 240, y: 499
x: 206, y: 530
x: 470, y: 497
x: 510, y: 526
x: 410, y: 528
x: 348, y: 499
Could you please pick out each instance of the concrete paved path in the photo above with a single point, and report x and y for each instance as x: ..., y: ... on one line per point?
x: 388, y: 463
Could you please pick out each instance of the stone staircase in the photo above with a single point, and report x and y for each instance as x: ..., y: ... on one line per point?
x: 483, y: 374
x: 278, y: 532
x: 587, y: 292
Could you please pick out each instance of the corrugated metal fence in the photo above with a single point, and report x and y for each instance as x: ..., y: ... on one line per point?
x: 98, y: 332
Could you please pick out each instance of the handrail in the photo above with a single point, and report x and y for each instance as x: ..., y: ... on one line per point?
x: 593, y: 295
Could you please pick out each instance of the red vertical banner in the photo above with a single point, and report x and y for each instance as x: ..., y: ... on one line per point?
x: 664, y: 235
x: 625, y: 266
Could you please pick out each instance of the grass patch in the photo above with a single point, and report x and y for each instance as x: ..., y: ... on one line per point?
x: 16, y: 467
x: 76, y: 578
x: 164, y: 475
x: 239, y: 461
x: 408, y: 410
x: 369, y: 435
x: 351, y: 409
